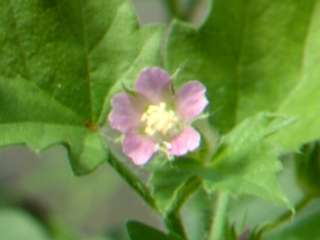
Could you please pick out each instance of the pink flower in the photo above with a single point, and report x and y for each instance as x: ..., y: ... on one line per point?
x: 154, y: 118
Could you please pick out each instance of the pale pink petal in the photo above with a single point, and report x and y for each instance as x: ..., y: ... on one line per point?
x: 191, y: 100
x: 138, y: 148
x: 187, y: 141
x: 124, y: 114
x: 153, y: 83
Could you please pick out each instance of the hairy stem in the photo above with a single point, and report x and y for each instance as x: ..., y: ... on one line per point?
x: 286, y: 216
x: 219, y: 219
x: 133, y: 181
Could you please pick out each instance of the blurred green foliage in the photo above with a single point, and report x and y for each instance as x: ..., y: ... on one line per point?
x: 253, y: 56
x: 17, y: 225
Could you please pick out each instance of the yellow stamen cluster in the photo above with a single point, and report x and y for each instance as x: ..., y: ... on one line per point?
x: 158, y: 119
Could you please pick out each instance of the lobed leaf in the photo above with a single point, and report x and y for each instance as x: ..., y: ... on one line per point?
x: 59, y: 63
x: 248, y: 162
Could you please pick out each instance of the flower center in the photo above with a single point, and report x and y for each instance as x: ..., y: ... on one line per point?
x: 158, y: 119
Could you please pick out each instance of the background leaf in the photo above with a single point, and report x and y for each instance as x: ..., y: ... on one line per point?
x: 60, y: 61
x: 305, y: 226
x: 255, y: 56
x: 17, y: 225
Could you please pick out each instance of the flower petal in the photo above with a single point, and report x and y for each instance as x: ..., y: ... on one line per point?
x: 138, y: 148
x: 125, y: 114
x: 153, y: 83
x: 188, y: 140
x: 191, y: 100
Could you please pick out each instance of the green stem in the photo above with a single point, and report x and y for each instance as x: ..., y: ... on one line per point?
x: 219, y: 220
x: 283, y: 218
x: 133, y: 181
x: 182, y: 194
x: 174, y: 226
x: 172, y: 216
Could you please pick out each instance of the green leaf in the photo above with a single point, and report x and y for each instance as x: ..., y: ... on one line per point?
x: 255, y: 56
x: 230, y: 233
x: 307, y: 165
x: 17, y: 225
x: 60, y: 61
x: 305, y: 226
x: 246, y: 163
x: 140, y: 231
x: 248, y: 211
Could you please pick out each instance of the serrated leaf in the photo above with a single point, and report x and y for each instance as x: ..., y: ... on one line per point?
x: 255, y: 56
x: 140, y: 231
x: 59, y: 63
x: 247, y: 163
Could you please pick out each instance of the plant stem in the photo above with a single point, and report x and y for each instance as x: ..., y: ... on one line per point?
x: 219, y: 220
x: 174, y: 226
x: 172, y: 216
x: 286, y: 216
x: 182, y: 194
x: 133, y: 181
